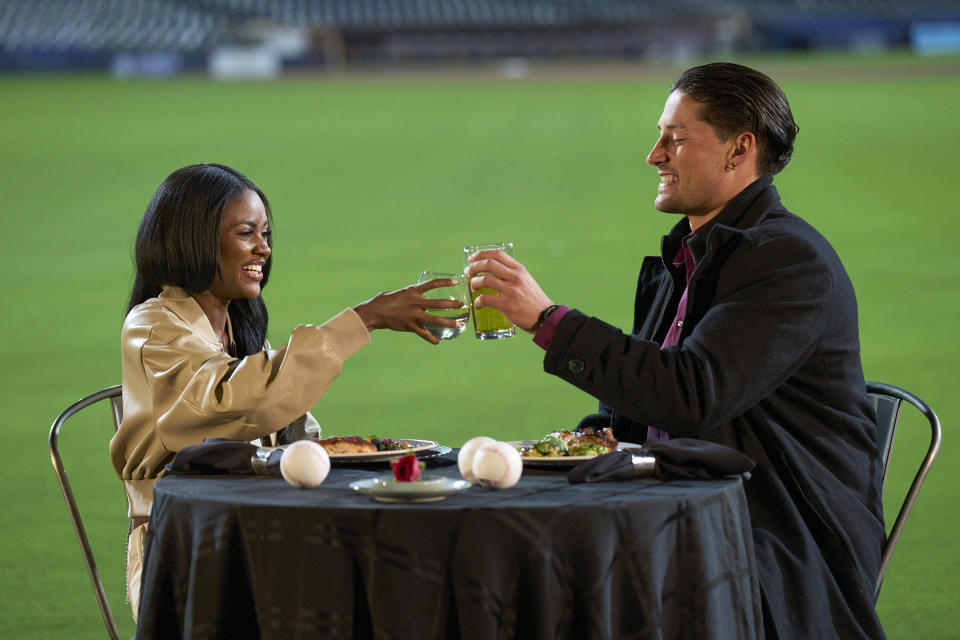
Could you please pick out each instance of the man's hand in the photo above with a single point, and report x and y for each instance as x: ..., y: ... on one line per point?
x: 405, y: 309
x: 518, y: 295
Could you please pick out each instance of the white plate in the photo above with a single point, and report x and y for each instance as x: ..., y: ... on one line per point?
x: 426, y: 489
x: 375, y: 456
x: 559, y: 461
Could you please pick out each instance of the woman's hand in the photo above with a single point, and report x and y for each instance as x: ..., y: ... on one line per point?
x: 405, y: 309
x: 518, y: 295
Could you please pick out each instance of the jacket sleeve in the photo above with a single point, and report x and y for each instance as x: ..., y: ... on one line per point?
x: 764, y: 322
x: 306, y: 426
x: 192, y: 389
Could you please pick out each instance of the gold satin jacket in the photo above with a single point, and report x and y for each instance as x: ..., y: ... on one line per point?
x: 180, y: 386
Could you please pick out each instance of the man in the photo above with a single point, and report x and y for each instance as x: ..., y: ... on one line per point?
x: 745, y: 334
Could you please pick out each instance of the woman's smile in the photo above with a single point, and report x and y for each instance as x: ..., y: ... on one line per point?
x: 254, y: 271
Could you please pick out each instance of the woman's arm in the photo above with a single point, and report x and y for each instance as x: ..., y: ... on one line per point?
x: 245, y: 398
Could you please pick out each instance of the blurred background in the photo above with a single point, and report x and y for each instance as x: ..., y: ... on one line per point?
x: 388, y: 134
x: 269, y: 38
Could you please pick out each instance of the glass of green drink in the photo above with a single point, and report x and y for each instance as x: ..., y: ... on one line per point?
x: 459, y: 292
x: 488, y: 323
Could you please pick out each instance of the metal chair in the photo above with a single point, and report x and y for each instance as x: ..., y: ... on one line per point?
x: 113, y: 394
x: 888, y: 400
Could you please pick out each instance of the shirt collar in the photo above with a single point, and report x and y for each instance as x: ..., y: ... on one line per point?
x: 178, y: 301
x: 680, y: 234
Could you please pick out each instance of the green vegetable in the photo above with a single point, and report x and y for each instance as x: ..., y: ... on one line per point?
x: 551, y: 446
x: 586, y: 449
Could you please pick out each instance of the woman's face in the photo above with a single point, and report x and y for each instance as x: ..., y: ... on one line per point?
x: 244, y: 231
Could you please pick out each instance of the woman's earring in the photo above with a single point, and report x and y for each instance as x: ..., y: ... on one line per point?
x: 731, y: 167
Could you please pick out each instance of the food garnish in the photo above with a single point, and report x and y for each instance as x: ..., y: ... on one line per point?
x: 566, y: 442
x: 389, y: 444
x: 356, y: 444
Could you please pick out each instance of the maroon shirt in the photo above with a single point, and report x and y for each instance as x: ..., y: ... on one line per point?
x: 544, y: 334
x: 684, y: 257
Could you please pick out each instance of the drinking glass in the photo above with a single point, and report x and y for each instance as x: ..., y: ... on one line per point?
x: 489, y: 323
x: 459, y: 292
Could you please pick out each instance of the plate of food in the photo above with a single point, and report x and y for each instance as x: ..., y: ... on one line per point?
x: 426, y: 489
x: 372, y: 448
x: 567, y: 448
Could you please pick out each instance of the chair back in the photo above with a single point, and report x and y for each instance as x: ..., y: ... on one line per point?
x: 113, y: 394
x: 888, y: 401
x: 888, y: 414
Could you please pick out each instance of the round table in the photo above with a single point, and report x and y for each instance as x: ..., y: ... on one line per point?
x: 238, y: 557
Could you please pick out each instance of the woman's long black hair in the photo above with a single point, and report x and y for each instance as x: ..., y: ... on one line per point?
x: 178, y: 244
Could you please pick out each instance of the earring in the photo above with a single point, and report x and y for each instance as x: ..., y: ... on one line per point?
x: 731, y: 167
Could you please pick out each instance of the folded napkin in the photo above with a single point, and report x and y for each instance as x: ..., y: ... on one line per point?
x: 674, y: 458
x: 224, y: 456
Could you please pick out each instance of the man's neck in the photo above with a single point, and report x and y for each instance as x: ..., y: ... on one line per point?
x: 731, y: 189
x: 698, y: 221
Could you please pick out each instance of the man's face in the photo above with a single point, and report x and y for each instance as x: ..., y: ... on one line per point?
x: 691, y: 161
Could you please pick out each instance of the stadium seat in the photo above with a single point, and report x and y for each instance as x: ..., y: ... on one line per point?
x: 888, y: 400
x: 170, y: 37
x: 113, y: 394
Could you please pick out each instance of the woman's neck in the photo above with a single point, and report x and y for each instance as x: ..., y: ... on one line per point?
x: 216, y: 311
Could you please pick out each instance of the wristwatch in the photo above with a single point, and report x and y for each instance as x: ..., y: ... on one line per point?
x: 543, y: 316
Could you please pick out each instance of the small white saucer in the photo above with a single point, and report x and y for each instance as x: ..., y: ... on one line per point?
x: 387, y: 489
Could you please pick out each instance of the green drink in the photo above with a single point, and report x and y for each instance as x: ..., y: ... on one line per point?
x: 489, y: 323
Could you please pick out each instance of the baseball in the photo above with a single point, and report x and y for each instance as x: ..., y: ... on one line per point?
x: 467, y: 453
x: 497, y: 465
x: 304, y: 464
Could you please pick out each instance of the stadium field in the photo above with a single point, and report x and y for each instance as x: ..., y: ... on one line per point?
x: 374, y: 178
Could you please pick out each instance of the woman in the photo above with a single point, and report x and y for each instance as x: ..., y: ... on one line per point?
x: 195, y: 359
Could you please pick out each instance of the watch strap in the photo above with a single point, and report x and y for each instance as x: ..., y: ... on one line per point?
x: 544, y: 315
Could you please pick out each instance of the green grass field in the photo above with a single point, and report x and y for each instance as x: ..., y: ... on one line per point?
x: 372, y: 180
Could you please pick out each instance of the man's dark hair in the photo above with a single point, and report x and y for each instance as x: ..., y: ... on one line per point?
x: 178, y: 244
x: 733, y: 99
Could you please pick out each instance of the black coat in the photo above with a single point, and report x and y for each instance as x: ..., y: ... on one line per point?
x: 768, y: 363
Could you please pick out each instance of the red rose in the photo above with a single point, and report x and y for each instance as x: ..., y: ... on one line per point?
x: 407, y: 468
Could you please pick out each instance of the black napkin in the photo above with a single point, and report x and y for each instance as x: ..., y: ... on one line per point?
x: 224, y: 456
x: 675, y: 458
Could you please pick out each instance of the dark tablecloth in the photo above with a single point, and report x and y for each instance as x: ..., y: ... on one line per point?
x: 231, y: 557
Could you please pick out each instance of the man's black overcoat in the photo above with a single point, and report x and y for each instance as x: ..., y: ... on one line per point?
x: 768, y: 363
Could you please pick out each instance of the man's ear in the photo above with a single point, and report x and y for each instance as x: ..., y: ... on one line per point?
x: 744, y: 149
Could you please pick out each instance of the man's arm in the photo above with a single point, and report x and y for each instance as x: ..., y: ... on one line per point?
x: 765, y: 322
